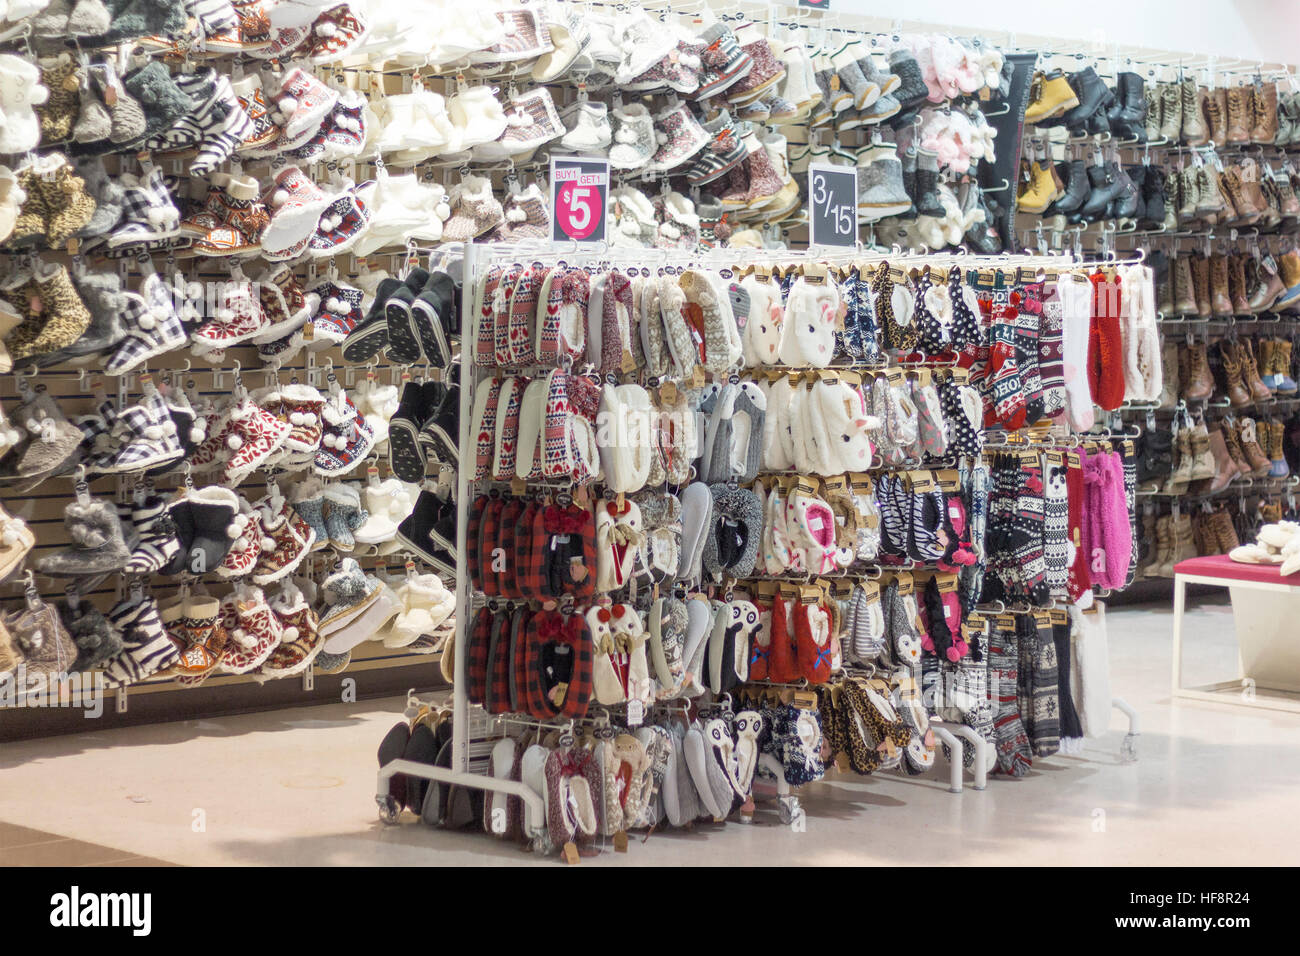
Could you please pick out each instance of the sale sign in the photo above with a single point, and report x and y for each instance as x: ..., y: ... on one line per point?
x: 579, y: 195
x: 832, y: 205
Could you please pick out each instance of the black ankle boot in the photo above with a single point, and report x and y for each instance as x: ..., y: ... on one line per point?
x: 1129, y: 113
x: 415, y: 533
x: 1092, y: 93
x: 1138, y: 174
x: 406, y: 457
x: 1153, y: 197
x: 1105, y: 188
x: 1128, y: 202
x: 1076, y: 188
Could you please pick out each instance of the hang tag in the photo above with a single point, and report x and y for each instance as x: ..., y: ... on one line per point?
x: 668, y: 393
x: 571, y: 853
x: 620, y: 841
x: 635, y: 713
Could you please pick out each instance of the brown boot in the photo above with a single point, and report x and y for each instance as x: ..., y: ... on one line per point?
x: 1250, y: 377
x: 1171, y: 370
x: 1252, y: 191
x: 1184, y: 292
x: 1202, y: 458
x: 1268, y: 285
x: 1282, y: 367
x: 1147, y: 539
x: 1270, y: 512
x: 1225, y: 469
x: 1216, y: 115
x: 1195, y: 132
x: 1164, y: 541
x: 1238, y: 394
x: 1286, y: 193
x: 1198, y: 384
x: 1240, y: 115
x: 1182, y: 546
x: 1277, y: 450
x: 1220, y: 299
x: 1233, y: 443
x: 1200, y: 526
x: 1248, y: 436
x: 1181, y: 476
x: 1288, y: 272
x: 1237, y: 284
x: 1264, y: 359
x: 1264, y: 113
x: 1201, y: 284
x: 1225, y: 534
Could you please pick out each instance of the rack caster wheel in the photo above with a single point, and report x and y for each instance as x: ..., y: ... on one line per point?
x: 389, y: 811
x: 1128, y: 750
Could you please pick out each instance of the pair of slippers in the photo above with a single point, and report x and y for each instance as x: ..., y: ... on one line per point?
x: 436, y: 803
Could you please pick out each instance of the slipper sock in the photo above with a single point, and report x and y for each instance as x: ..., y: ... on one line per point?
x: 967, y: 334
x: 474, y: 537
x: 1012, y: 742
x: 1070, y: 727
x: 1027, y: 324
x: 1078, y: 577
x: 783, y: 664
x: 480, y: 639
x: 1056, y: 528
x: 1051, y: 365
x: 1039, y: 649
x: 1076, y: 319
x: 1128, y: 457
x: 1105, y: 344
x: 1003, y: 384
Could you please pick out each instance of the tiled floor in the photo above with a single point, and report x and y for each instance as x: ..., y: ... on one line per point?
x: 1214, y: 784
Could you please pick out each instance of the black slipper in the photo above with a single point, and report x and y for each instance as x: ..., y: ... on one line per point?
x: 422, y: 748
x: 393, y: 747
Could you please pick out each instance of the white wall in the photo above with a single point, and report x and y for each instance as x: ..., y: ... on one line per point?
x: 1267, y: 30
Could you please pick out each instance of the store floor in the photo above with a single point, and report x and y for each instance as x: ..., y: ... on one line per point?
x: 1214, y: 785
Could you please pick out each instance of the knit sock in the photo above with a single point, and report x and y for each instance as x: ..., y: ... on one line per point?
x: 1012, y: 742
x: 1070, y: 728
x: 1105, y: 344
x: 1045, y: 734
x: 1128, y: 456
x: 1003, y: 383
x: 1078, y: 577
x: 1050, y: 366
x: 1027, y: 540
x: 1027, y: 323
x: 1076, y: 319
x: 1056, y: 526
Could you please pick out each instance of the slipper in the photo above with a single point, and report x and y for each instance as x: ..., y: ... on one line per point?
x: 500, y: 764
x: 697, y: 519
x: 393, y: 747
x: 422, y: 748
x: 16, y: 540
x: 668, y: 623
x: 707, y: 775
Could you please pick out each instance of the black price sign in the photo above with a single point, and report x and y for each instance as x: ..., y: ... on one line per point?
x: 832, y: 205
x: 579, y: 196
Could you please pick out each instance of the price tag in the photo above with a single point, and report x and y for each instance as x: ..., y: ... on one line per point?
x: 635, y: 713
x: 832, y: 205
x: 579, y: 199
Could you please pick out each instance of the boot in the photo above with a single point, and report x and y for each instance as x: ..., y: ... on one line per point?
x: 1203, y: 539
x: 1209, y: 202
x: 1224, y: 533
x: 1252, y: 191
x: 1164, y: 543
x: 1169, y: 378
x: 1276, y: 432
x: 1289, y: 275
x: 1220, y: 300
x: 1171, y: 112
x: 1036, y: 193
x: 1189, y: 196
x: 1232, y: 441
x: 1194, y: 133
x: 1286, y: 385
x: 1198, y: 384
x: 1092, y: 94
x: 1155, y: 460
x: 1173, y: 197
x: 1216, y: 114
x: 1240, y: 115
x: 1181, y: 476
x: 1154, y: 114
x: 1248, y: 437
x: 1051, y: 96
x: 1264, y: 113
x: 1127, y: 117
x: 1237, y: 283
x: 1202, y: 459
x: 1265, y: 357
x: 927, y: 185
x: 1106, y: 187
x: 1076, y: 188
x: 1181, y: 545
x: 1250, y: 372
x: 1127, y: 203
x: 1146, y: 541
x: 1225, y: 469
x: 1268, y: 286
x: 1153, y: 198
x: 1161, y: 268
x: 1201, y: 284
x: 1238, y: 394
